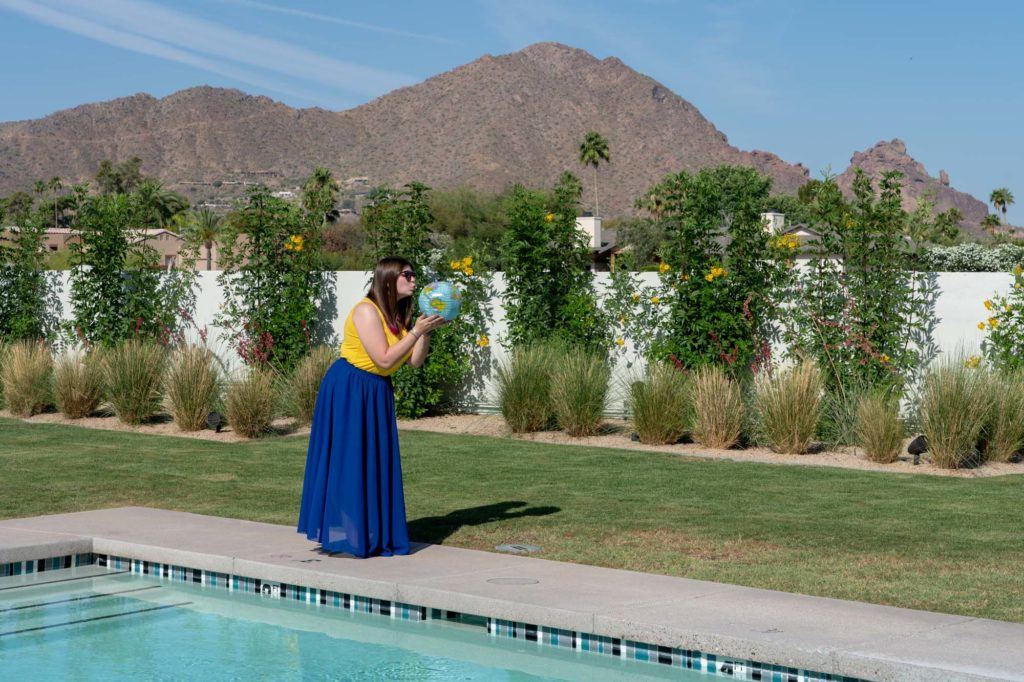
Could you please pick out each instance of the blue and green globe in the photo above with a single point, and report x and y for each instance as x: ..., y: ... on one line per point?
x: 441, y: 298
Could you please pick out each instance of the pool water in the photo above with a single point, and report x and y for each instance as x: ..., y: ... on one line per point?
x: 91, y: 623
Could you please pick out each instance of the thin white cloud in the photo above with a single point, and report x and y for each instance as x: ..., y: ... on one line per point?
x: 341, y: 22
x: 153, y: 48
x: 152, y: 29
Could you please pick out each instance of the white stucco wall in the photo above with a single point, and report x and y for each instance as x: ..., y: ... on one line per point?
x: 959, y: 309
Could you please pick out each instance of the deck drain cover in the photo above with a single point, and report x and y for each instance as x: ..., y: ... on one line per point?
x: 513, y: 581
x: 518, y: 549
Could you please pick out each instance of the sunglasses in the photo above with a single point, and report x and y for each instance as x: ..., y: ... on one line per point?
x: 408, y: 274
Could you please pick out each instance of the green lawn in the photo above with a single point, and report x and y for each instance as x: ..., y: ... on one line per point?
x: 926, y: 542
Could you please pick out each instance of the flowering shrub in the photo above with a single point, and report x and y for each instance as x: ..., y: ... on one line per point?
x: 549, y: 289
x: 1004, y: 343
x: 716, y: 301
x: 868, y: 321
x: 397, y: 223
x: 972, y: 258
x: 273, y: 280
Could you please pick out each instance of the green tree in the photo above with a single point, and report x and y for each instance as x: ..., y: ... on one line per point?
x: 29, y: 303
x: 275, y: 289
x: 1001, y: 198
x: 157, y: 205
x: 118, y: 289
x: 858, y: 308
x: 204, y: 227
x: 990, y: 222
x: 55, y: 185
x: 548, y: 282
x: 320, y: 195
x: 594, y: 150
x: 717, y: 298
x: 119, y: 178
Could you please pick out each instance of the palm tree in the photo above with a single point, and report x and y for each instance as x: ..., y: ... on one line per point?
x: 320, y: 194
x: 990, y: 223
x: 594, y: 150
x: 158, y: 204
x: 653, y: 202
x: 1001, y: 197
x: 55, y: 185
x: 205, y: 227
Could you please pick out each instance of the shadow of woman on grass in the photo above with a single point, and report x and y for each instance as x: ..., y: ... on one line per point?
x: 435, y: 530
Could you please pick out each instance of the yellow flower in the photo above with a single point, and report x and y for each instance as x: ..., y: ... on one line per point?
x: 988, y: 305
x: 993, y: 322
x: 685, y: 278
x: 1006, y: 307
x: 635, y: 297
x: 294, y: 243
x: 456, y: 265
x: 468, y: 270
x: 981, y: 325
x: 655, y: 300
x: 620, y: 341
x: 787, y: 241
x: 972, y: 362
x: 1018, y: 270
x: 664, y: 267
x: 884, y: 358
x: 709, y: 277
x: 549, y: 217
x: 467, y: 261
x: 622, y: 320
x: 483, y: 341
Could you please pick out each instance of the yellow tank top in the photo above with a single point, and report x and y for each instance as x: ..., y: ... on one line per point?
x: 352, y: 347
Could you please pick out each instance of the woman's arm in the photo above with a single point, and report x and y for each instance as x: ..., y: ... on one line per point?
x: 371, y: 333
x: 420, y: 350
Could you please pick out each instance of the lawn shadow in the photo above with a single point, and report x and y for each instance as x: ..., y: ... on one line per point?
x: 435, y: 530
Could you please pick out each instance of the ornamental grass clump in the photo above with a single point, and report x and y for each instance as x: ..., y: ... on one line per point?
x: 3, y: 360
x: 579, y: 391
x: 78, y: 384
x: 788, y: 408
x: 304, y: 383
x: 192, y: 386
x: 26, y: 375
x: 1004, y: 433
x: 524, y: 387
x: 249, y: 402
x: 718, y: 408
x: 954, y: 408
x: 879, y: 430
x: 660, y: 405
x: 133, y: 375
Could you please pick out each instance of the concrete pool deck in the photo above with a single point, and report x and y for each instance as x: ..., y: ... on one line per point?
x: 827, y: 635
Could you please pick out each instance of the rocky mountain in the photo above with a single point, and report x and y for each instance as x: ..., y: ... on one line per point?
x: 497, y: 120
x: 916, y: 181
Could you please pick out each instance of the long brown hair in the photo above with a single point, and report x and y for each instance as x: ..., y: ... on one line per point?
x: 384, y: 292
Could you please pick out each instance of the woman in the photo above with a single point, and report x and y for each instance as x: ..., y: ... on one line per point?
x: 352, y: 499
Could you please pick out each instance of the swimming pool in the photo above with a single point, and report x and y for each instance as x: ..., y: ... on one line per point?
x: 90, y: 622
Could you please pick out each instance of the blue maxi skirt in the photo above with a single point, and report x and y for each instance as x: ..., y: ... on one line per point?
x: 352, y: 498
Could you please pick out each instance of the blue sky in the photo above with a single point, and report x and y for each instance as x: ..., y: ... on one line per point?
x: 811, y: 81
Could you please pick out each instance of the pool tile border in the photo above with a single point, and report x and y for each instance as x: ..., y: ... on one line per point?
x: 683, y: 659
x: 39, y: 565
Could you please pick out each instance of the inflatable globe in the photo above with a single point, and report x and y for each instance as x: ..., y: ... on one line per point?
x: 441, y: 298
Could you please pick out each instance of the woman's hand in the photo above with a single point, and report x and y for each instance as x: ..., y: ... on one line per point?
x: 428, y: 323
